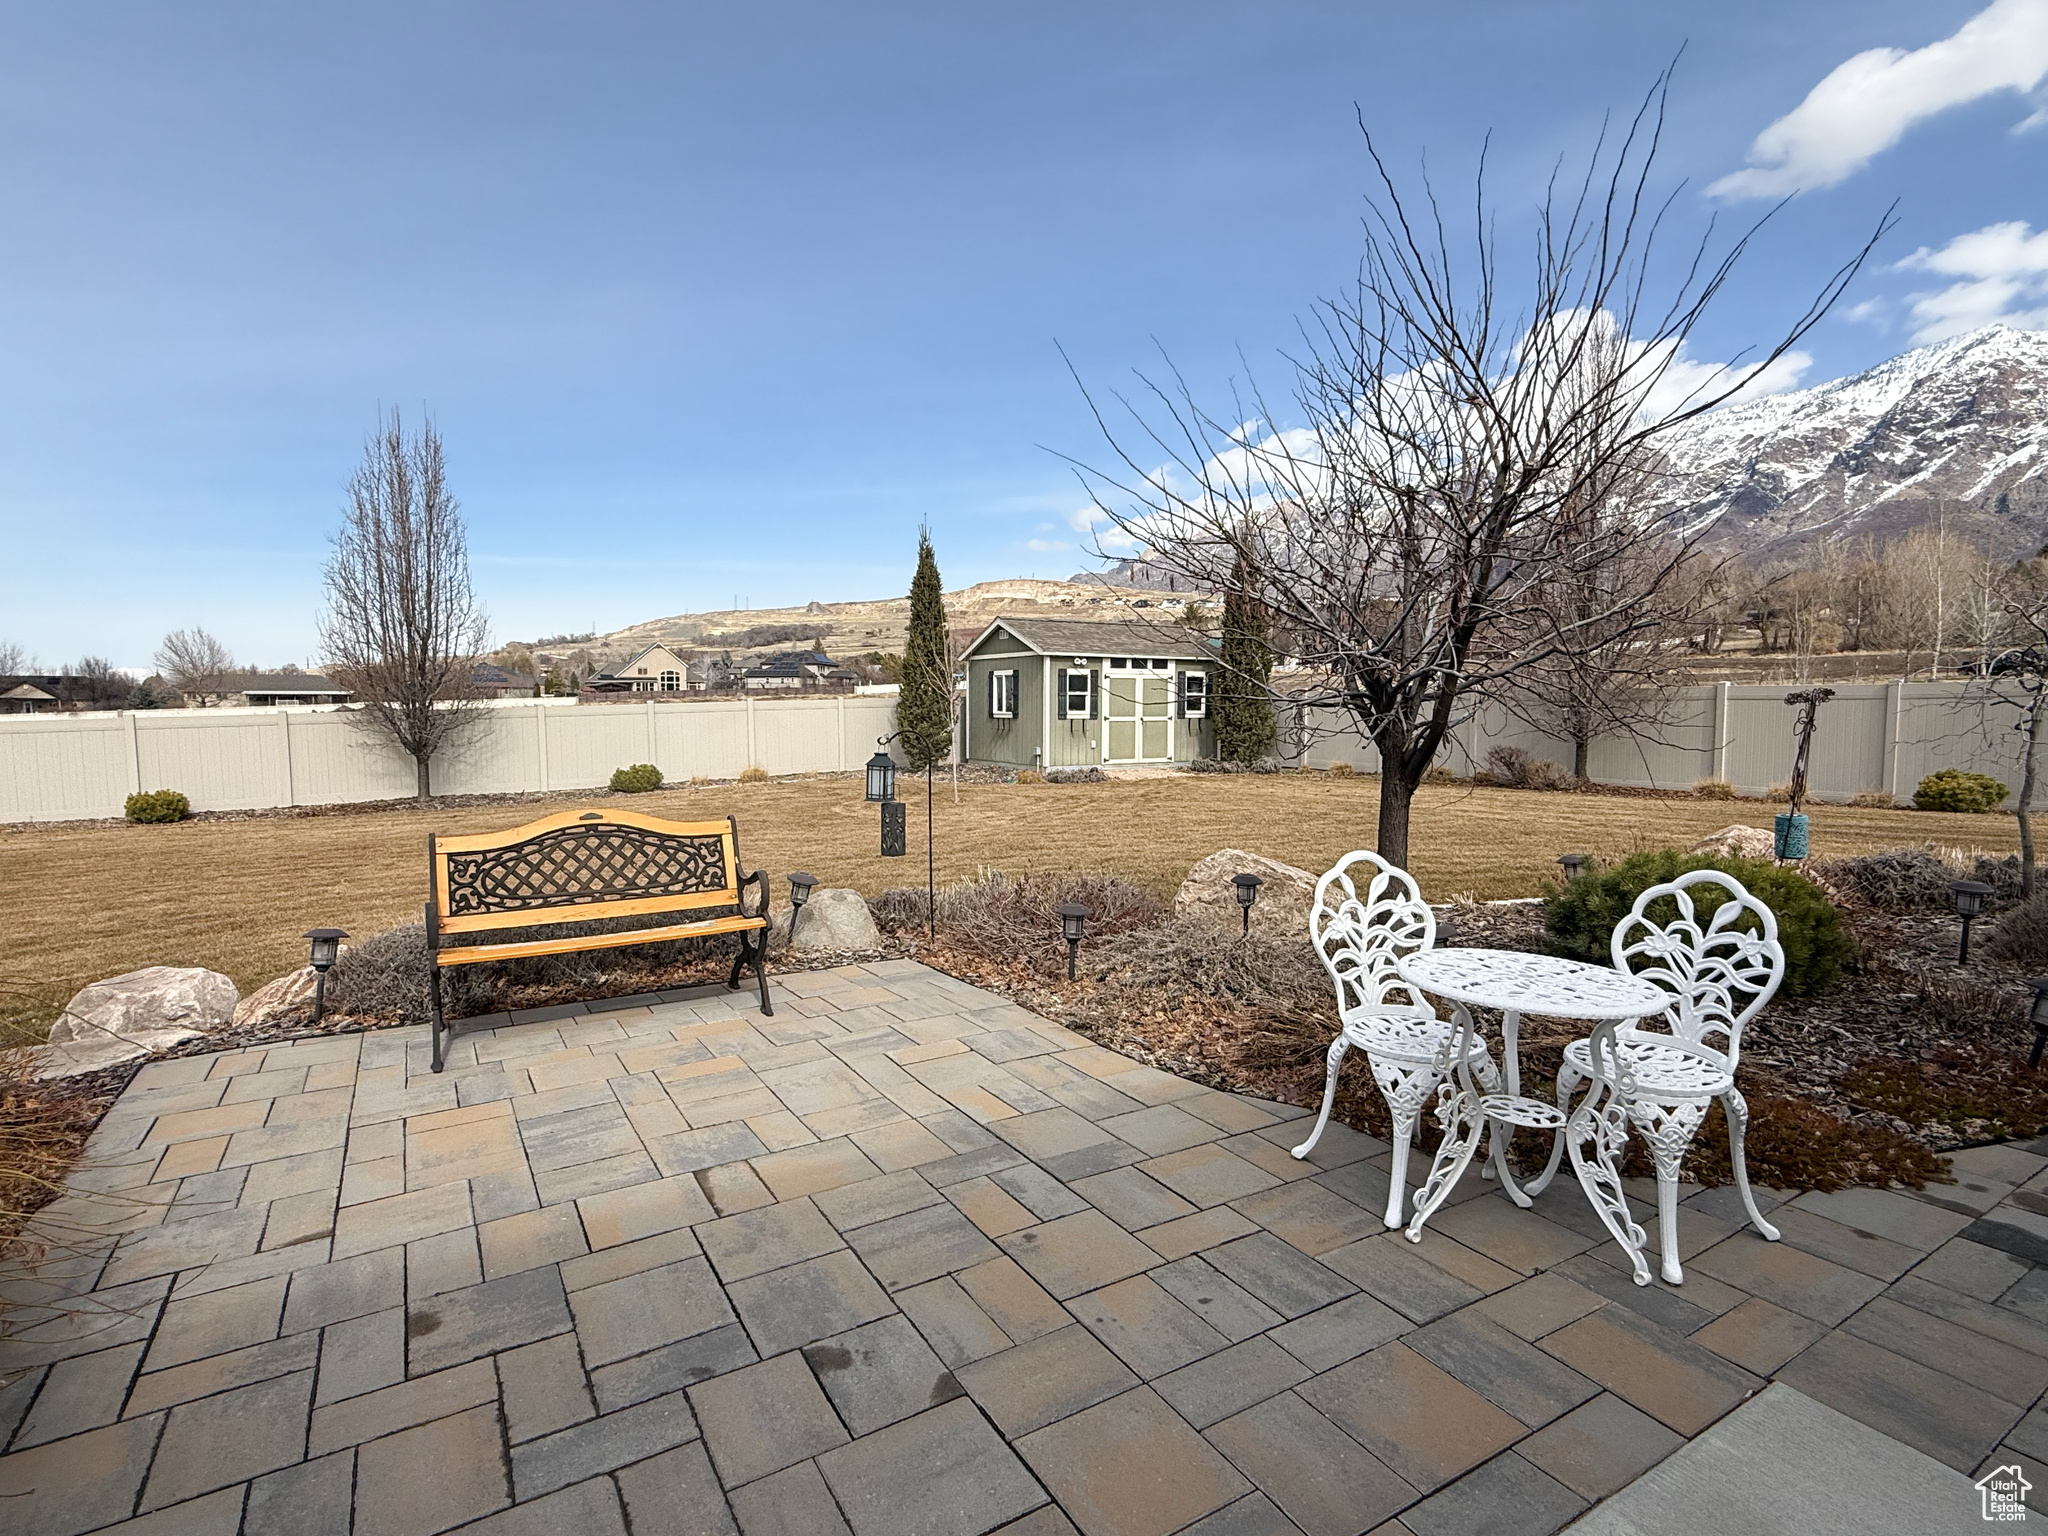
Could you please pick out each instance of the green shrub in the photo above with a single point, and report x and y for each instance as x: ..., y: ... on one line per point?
x: 158, y: 805
x: 1581, y: 915
x: 1957, y: 789
x: 636, y: 780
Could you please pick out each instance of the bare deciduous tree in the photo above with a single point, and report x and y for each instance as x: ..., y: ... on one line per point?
x: 1406, y: 531
x: 194, y: 663
x: 403, y: 629
x: 96, y: 684
x: 14, y: 659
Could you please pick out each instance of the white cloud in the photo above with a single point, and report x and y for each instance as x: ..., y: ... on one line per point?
x: 2001, y: 274
x: 1046, y: 546
x: 1866, y: 104
x: 1685, y: 381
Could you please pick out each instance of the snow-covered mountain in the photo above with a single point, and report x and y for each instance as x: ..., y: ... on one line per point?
x: 1960, y: 426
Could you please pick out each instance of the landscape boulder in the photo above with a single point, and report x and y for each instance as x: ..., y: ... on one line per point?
x: 291, y: 994
x: 834, y: 919
x: 1743, y: 842
x: 1208, y: 894
x: 135, y: 1015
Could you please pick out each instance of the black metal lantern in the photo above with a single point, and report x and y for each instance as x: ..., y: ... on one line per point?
x: 326, y: 950
x: 1247, y: 893
x: 882, y: 777
x: 1969, y: 896
x: 1574, y: 864
x: 2038, y: 1017
x: 1073, y: 918
x: 800, y: 888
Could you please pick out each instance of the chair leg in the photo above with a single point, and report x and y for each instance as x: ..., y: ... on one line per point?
x: 1567, y: 1085
x: 1668, y: 1128
x: 1738, y: 1127
x: 1406, y: 1087
x: 1338, y: 1047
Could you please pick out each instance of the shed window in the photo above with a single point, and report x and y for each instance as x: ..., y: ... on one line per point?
x: 1002, y: 695
x: 1077, y: 694
x: 1194, y: 695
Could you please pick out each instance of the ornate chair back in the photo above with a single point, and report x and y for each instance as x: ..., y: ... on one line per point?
x: 1368, y: 914
x: 1720, y: 969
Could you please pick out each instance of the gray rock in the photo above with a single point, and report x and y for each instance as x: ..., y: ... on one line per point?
x: 835, y: 918
x: 1743, y: 842
x: 69, y: 1058
x: 1282, y: 908
x: 291, y: 993
x: 150, y: 1001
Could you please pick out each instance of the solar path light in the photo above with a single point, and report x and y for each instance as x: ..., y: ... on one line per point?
x: 1073, y: 918
x: 1969, y: 896
x: 326, y: 950
x: 1247, y: 893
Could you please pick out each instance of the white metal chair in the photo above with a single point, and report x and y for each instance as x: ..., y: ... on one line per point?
x: 1359, y: 935
x: 1719, y: 973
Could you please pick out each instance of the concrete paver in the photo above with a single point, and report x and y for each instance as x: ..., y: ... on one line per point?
x: 907, y: 1259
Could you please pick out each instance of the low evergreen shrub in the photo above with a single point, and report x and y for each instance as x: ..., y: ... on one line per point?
x: 1581, y: 915
x: 157, y: 805
x: 636, y: 780
x: 1957, y: 789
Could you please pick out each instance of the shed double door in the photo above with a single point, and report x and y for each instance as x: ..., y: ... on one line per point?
x: 1137, y: 717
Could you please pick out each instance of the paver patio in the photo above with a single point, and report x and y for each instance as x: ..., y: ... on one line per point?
x: 907, y: 1259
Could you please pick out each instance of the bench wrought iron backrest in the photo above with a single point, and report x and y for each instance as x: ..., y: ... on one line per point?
x: 599, y: 863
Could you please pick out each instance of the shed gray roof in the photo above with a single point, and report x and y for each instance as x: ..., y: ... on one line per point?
x: 1105, y: 637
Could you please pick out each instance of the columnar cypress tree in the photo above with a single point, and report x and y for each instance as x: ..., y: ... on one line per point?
x: 924, y: 709
x: 1245, y: 729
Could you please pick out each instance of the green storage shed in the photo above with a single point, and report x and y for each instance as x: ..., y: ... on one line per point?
x: 1074, y: 693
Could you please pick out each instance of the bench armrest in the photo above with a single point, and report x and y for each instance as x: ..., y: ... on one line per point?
x: 759, y: 880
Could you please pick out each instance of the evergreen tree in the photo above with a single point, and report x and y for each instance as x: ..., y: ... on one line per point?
x: 924, y: 709
x: 1245, y: 729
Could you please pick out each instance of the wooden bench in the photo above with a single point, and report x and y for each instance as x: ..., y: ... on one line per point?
x: 585, y: 866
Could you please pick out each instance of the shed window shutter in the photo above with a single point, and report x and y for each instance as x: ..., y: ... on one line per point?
x: 1064, y: 675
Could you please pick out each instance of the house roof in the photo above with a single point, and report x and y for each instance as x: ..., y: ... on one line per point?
x: 290, y: 682
x: 1104, y: 637
x: 29, y: 693
x: 618, y: 668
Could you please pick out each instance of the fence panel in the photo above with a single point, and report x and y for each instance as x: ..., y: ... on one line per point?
x: 53, y: 768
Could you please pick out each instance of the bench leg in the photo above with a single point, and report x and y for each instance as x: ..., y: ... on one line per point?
x: 434, y: 1003
x: 761, y: 971
x: 739, y: 960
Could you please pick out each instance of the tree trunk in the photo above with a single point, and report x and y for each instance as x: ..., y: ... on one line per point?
x: 422, y: 775
x: 1582, y: 756
x: 2025, y: 814
x: 1397, y: 796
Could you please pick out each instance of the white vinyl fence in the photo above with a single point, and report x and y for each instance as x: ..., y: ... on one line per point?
x: 62, y: 768
x: 1871, y: 736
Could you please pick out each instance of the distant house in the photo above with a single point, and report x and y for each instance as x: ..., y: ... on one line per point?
x: 267, y: 688
x: 796, y: 670
x: 494, y: 682
x: 657, y: 669
x: 1059, y: 693
x: 25, y: 696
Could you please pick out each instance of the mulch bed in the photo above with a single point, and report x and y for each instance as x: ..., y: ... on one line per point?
x: 1864, y: 1085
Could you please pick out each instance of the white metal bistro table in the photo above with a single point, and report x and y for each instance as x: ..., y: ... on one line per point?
x: 1515, y: 983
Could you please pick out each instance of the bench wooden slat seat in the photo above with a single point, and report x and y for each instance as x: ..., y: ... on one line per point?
x: 582, y: 867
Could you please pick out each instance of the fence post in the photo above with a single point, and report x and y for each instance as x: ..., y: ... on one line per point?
x: 841, y: 760
x: 1717, y: 759
x: 540, y: 736
x: 284, y: 731
x: 134, y: 756
x: 1894, y: 709
x: 650, y: 730
x: 753, y: 761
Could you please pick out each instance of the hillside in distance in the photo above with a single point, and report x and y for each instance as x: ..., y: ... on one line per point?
x: 880, y: 624
x: 1956, y: 429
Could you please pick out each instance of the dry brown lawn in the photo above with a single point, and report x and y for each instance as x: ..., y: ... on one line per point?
x: 81, y: 902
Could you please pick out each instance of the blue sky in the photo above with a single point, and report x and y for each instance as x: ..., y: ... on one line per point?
x: 718, y: 302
